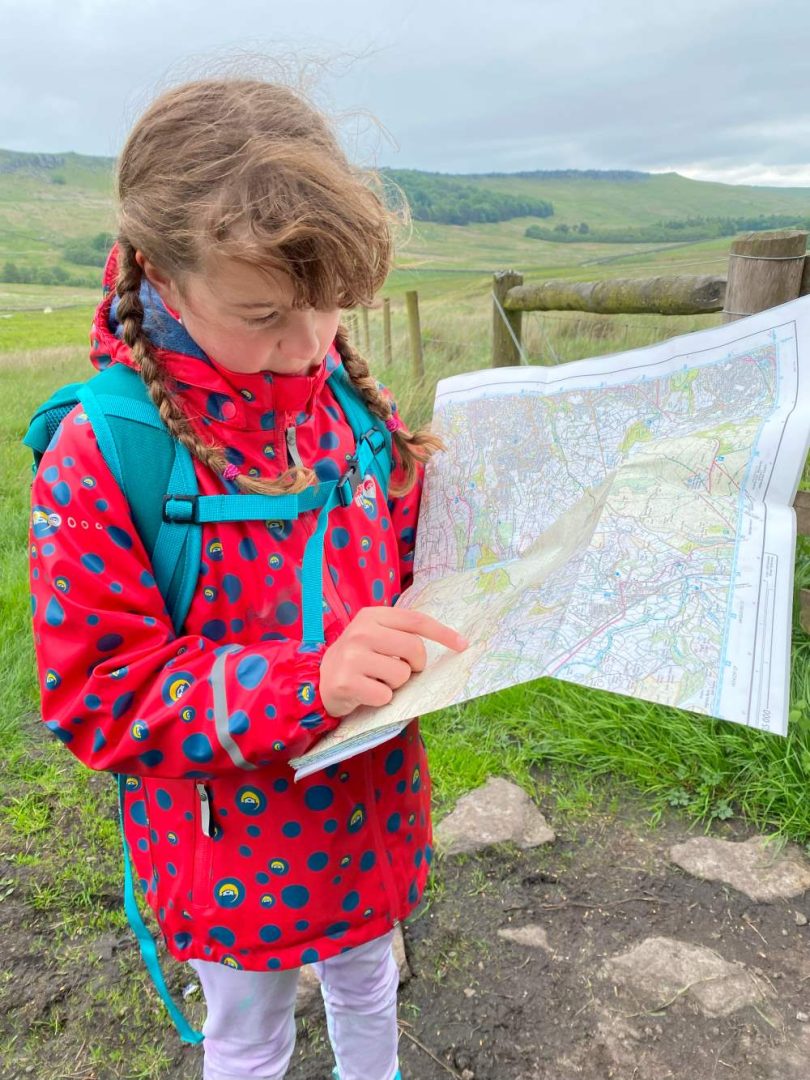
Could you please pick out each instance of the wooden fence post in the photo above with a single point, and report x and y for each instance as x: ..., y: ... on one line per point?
x: 415, y: 331
x: 764, y: 269
x: 387, y: 351
x: 504, y: 350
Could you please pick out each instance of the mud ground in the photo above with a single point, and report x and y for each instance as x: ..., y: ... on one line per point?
x: 478, y: 1006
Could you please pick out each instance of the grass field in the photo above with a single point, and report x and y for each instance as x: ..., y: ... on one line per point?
x: 711, y: 768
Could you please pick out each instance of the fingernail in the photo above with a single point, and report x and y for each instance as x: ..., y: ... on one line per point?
x: 463, y: 642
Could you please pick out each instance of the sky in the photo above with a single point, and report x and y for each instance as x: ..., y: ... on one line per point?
x: 712, y: 89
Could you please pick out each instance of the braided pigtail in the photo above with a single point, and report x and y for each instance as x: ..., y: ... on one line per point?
x: 130, y: 315
x: 409, y: 448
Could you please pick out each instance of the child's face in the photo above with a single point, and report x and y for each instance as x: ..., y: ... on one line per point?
x: 243, y: 318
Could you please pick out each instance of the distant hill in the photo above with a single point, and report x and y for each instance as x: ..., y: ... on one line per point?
x: 56, y: 210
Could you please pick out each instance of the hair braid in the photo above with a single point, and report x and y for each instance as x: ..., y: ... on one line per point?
x: 409, y: 447
x: 130, y: 315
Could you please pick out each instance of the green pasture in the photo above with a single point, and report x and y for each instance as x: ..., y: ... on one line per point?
x: 711, y: 768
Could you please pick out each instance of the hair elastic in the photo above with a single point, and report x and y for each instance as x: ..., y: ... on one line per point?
x: 230, y: 472
x: 393, y: 423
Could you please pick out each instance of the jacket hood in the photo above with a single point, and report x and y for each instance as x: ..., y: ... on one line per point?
x: 236, y: 399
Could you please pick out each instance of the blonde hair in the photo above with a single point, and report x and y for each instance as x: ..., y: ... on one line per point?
x: 249, y: 170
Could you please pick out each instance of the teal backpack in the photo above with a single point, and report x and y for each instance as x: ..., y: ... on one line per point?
x: 144, y: 459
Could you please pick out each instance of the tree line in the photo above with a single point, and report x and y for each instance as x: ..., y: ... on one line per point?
x: 684, y: 230
x: 447, y: 201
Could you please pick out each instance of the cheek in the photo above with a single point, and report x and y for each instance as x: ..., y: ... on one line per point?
x: 328, y: 327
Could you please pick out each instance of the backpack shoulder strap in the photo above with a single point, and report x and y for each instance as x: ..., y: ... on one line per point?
x: 147, y: 463
x: 363, y: 423
x: 144, y: 460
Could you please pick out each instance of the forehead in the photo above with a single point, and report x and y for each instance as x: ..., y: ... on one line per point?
x: 237, y: 284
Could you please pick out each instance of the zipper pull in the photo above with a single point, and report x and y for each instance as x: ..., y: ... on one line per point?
x: 205, y: 809
x: 290, y: 438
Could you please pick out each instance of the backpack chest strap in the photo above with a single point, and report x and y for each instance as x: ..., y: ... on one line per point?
x: 191, y: 511
x: 207, y: 509
x: 312, y: 568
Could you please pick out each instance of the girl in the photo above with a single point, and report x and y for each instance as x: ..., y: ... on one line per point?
x: 243, y: 231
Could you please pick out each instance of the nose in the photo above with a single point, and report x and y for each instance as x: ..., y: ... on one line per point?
x: 300, y: 338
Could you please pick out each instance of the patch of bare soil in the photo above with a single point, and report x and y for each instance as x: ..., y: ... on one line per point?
x: 537, y: 1003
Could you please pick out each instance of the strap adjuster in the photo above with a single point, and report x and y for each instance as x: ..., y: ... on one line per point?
x: 180, y: 508
x: 348, y: 484
x: 375, y: 438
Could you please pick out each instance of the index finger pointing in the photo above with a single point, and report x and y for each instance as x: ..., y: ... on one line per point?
x: 418, y: 622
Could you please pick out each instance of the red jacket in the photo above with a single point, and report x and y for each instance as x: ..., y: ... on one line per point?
x: 278, y: 874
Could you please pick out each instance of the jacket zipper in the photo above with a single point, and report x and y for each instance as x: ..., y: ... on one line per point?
x: 379, y: 843
x: 339, y: 610
x: 203, y: 845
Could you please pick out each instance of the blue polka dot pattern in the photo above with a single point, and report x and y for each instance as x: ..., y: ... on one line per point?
x: 215, y: 713
x: 251, y: 670
x: 198, y: 748
x: 319, y: 797
x: 295, y: 896
x: 287, y: 613
x: 120, y: 537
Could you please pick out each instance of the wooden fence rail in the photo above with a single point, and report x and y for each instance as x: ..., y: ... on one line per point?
x: 764, y: 269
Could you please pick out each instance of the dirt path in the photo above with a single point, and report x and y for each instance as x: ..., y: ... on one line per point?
x: 482, y: 1005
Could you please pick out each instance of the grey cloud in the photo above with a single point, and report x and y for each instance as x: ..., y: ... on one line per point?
x: 470, y: 87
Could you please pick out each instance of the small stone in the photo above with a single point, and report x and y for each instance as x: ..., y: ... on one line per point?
x: 467, y: 1074
x: 535, y: 937
x: 663, y: 969
x: 308, y: 1000
x: 801, y: 920
x: 400, y: 955
x: 802, y: 1017
x: 762, y: 871
x: 496, y: 813
x: 469, y: 992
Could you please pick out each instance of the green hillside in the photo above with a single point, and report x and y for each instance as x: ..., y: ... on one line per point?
x: 648, y: 199
x: 54, y: 206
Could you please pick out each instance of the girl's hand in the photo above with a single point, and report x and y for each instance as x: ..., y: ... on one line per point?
x: 376, y: 654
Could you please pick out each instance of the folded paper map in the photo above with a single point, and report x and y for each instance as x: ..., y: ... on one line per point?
x: 623, y: 523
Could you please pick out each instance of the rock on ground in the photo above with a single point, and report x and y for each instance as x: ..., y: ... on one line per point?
x: 496, y: 813
x: 762, y: 871
x: 661, y: 969
x: 532, y: 936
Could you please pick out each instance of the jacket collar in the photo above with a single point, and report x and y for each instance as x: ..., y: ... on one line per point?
x: 233, y: 398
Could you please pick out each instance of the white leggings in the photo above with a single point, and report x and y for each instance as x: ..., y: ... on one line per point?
x: 250, y: 1027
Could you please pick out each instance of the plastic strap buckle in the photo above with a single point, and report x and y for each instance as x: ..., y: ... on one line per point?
x: 348, y: 483
x: 180, y: 508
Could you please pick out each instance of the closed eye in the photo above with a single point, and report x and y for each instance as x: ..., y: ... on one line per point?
x: 264, y: 320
